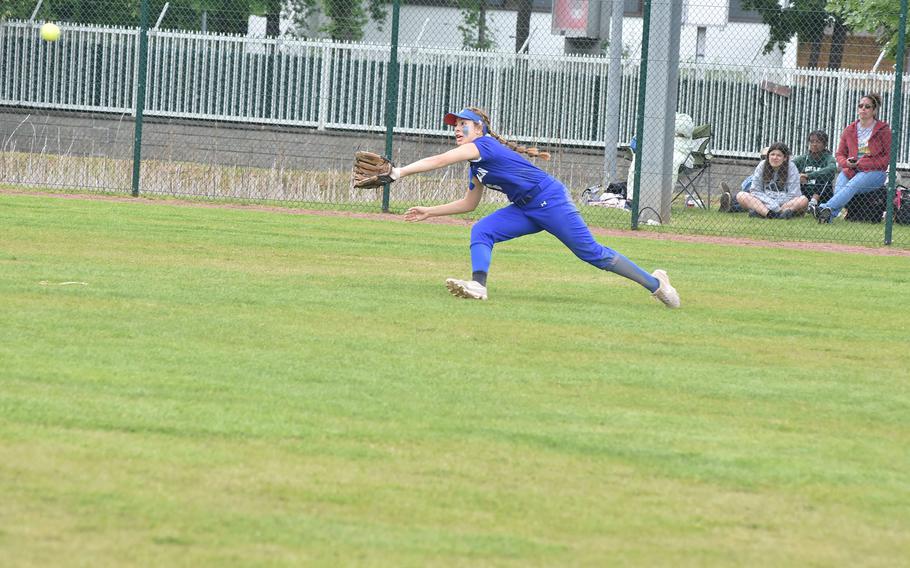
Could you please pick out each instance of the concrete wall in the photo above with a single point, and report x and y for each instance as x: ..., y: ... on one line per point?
x: 185, y: 153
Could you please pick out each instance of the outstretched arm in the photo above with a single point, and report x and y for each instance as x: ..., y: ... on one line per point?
x: 466, y: 204
x: 460, y: 154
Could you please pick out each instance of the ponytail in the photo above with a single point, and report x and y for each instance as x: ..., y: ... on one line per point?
x: 532, y: 152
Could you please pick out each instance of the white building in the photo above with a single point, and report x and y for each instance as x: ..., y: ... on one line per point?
x: 714, y: 31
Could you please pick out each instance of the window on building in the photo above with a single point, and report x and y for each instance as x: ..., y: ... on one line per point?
x: 632, y: 7
x: 701, y: 36
x: 739, y: 14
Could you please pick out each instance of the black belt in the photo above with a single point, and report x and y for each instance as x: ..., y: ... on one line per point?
x: 528, y: 197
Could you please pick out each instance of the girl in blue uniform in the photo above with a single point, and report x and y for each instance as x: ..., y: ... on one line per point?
x: 539, y: 202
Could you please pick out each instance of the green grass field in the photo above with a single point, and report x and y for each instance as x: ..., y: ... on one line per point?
x: 230, y: 387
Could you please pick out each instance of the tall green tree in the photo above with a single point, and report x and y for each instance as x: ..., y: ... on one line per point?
x: 271, y: 9
x: 805, y: 19
x: 105, y: 12
x: 223, y: 16
x: 341, y: 20
x: 14, y: 9
x: 878, y: 17
x: 475, y: 33
x: 522, y: 24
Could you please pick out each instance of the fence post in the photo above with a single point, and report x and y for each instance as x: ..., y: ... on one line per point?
x: 896, y: 117
x: 640, y: 115
x: 614, y: 92
x: 325, y: 79
x: 391, y: 89
x: 140, y: 92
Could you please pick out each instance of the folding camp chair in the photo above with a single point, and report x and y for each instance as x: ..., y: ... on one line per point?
x: 695, y: 166
x: 692, y: 169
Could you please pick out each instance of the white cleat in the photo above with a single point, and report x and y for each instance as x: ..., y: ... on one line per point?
x: 468, y: 289
x: 665, y: 293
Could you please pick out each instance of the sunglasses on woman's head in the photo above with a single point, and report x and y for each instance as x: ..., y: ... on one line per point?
x: 861, y: 105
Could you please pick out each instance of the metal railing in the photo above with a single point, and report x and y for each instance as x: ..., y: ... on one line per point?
x: 92, y: 69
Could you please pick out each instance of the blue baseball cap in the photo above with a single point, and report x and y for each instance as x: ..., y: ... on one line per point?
x: 452, y: 118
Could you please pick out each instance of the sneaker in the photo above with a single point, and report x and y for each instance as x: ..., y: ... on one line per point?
x: 812, y: 209
x: 665, y: 293
x: 785, y: 214
x: 726, y: 201
x: 773, y: 214
x: 754, y: 213
x: 468, y: 289
x: 823, y: 215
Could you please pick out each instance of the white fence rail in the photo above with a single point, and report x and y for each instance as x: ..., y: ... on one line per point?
x: 542, y: 99
x: 92, y: 68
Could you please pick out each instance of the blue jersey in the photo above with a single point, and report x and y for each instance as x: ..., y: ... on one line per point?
x: 505, y: 170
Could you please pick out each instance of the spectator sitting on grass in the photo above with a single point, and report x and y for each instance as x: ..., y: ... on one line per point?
x: 775, y: 190
x: 817, y: 169
x: 728, y: 202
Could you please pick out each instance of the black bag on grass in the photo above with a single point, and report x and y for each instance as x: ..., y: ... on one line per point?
x: 902, y: 205
x: 868, y: 207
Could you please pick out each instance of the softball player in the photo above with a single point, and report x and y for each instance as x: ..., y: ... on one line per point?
x: 539, y: 202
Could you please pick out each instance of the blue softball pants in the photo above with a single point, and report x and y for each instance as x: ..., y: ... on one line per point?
x: 550, y: 209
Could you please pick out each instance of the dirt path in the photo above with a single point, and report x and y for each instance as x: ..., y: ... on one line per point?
x: 800, y: 245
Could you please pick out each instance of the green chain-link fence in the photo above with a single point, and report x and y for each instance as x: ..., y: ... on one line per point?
x: 268, y: 99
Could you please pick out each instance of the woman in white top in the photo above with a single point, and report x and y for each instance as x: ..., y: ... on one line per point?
x: 863, y: 155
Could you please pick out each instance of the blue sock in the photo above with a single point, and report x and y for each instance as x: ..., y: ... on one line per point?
x: 481, y: 255
x: 625, y: 267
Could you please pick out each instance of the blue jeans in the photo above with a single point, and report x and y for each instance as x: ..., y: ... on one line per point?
x: 844, y: 189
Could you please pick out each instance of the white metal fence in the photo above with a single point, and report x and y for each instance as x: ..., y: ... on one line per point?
x: 543, y: 99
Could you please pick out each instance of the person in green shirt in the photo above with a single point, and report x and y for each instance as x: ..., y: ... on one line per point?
x: 817, y: 170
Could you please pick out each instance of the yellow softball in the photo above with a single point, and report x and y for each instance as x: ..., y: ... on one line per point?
x: 50, y: 32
